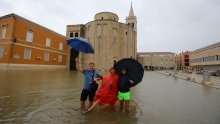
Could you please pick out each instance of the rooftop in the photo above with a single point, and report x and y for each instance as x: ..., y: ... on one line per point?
x: 150, y: 53
x: 19, y: 17
x: 212, y: 46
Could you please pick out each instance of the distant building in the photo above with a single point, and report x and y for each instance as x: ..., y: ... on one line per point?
x: 207, y: 57
x: 182, y: 61
x: 157, y: 60
x: 112, y: 40
x: 24, y: 43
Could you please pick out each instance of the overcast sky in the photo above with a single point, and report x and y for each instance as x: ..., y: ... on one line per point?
x: 163, y: 25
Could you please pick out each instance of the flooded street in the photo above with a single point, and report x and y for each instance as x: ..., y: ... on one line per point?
x: 53, y: 97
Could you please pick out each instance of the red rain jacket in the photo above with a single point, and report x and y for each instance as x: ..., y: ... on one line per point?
x: 107, y: 93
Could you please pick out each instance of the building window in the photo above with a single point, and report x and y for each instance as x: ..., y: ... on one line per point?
x: 209, y: 58
x: 115, y: 32
x: 217, y: 57
x: 48, y: 42
x: 59, y: 58
x: 29, y: 37
x: 76, y: 34
x: 27, y: 54
x: 196, y: 60
x: 132, y: 24
x: 99, y: 30
x: 114, y: 41
x: 115, y: 61
x: 60, y: 46
x: 88, y: 27
x: 46, y: 56
x: 71, y: 34
x: 4, y: 28
x: 1, y: 52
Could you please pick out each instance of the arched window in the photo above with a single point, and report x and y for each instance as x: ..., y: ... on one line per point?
x: 132, y: 24
x: 71, y: 34
x: 4, y: 28
x: 76, y: 34
x: 115, y: 61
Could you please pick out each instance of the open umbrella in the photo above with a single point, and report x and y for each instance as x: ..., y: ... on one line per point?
x: 133, y: 68
x: 80, y: 44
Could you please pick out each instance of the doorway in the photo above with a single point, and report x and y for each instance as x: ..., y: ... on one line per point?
x: 73, y: 55
x: 114, y: 62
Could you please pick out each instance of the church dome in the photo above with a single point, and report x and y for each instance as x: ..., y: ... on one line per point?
x: 106, y: 16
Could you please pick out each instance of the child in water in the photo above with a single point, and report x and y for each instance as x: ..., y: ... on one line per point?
x: 124, y: 94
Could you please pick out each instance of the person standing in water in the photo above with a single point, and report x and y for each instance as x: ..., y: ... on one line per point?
x: 124, y: 94
x: 107, y: 93
x: 90, y: 85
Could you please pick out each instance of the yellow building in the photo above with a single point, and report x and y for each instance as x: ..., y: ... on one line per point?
x: 207, y: 58
x: 24, y: 43
x: 111, y: 39
x: 157, y: 60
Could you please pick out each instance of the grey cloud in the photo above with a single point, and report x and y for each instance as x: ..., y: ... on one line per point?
x: 163, y: 25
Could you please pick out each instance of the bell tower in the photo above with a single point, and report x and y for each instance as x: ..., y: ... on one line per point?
x: 131, y: 19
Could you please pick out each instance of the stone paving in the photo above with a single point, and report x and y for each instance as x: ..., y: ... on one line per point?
x: 196, y: 78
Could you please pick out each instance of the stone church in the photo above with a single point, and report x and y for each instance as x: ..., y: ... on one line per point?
x: 112, y: 40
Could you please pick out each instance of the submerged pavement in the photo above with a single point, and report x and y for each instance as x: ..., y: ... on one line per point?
x: 52, y: 96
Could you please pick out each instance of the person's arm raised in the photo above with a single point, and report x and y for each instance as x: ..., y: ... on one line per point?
x: 78, y: 65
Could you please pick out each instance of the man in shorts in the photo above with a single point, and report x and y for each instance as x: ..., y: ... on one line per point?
x: 90, y: 76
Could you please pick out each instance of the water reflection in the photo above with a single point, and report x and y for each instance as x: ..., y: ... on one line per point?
x: 53, y: 97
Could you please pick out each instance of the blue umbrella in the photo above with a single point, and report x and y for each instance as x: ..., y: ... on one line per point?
x: 80, y: 44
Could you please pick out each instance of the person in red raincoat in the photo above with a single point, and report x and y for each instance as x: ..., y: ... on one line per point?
x: 107, y: 93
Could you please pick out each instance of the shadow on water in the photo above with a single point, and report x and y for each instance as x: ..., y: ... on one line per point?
x: 53, y: 97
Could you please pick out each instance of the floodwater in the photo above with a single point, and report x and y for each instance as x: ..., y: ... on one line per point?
x: 52, y: 96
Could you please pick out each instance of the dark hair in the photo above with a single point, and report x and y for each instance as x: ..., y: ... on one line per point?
x: 91, y: 63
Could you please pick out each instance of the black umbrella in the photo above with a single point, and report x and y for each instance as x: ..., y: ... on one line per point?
x: 133, y: 68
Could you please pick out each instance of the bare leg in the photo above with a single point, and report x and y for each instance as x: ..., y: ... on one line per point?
x: 127, y: 105
x: 82, y: 105
x: 113, y: 107
x: 121, y: 105
x: 90, y: 104
x: 94, y: 105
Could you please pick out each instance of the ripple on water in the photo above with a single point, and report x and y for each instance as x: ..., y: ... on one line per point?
x: 46, y: 106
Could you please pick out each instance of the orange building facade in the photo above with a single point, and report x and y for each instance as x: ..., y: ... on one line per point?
x: 24, y: 43
x: 182, y: 61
